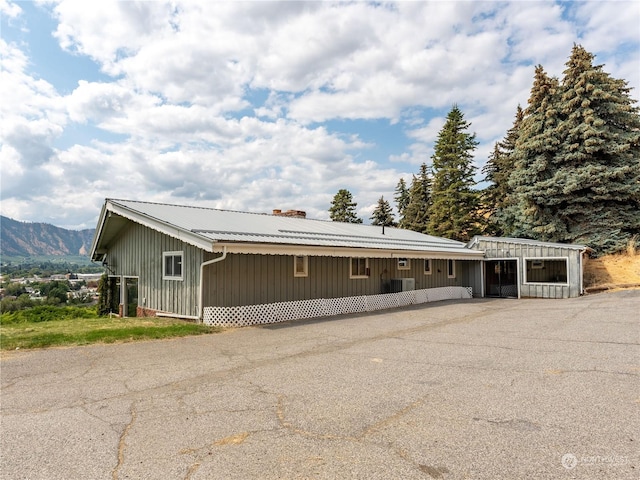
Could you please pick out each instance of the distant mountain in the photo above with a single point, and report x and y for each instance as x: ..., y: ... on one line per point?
x: 30, y: 239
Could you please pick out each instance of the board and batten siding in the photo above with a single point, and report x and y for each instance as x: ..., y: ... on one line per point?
x: 259, y: 279
x: 502, y: 249
x: 137, y: 252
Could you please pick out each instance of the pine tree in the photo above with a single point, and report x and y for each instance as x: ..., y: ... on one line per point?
x: 595, y: 190
x: 343, y: 208
x: 529, y: 215
x: 454, y: 208
x: 497, y: 197
x: 401, y: 197
x: 383, y: 215
x: 576, y: 174
x: 416, y: 214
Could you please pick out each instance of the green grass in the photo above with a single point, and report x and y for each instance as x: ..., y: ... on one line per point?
x: 85, y: 331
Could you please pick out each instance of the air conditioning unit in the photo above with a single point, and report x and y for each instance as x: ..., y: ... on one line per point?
x: 402, y: 284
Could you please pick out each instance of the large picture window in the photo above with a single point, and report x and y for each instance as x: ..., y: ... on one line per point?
x: 546, y: 270
x: 359, y: 268
x: 172, y: 266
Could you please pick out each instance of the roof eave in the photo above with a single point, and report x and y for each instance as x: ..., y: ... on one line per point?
x: 336, y: 251
x: 112, y: 207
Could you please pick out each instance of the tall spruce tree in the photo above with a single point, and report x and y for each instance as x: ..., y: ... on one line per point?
x: 416, y: 214
x: 498, y: 196
x: 453, y: 212
x: 343, y: 208
x: 529, y: 214
x: 595, y: 189
x: 383, y: 215
x: 577, y: 159
x: 401, y: 197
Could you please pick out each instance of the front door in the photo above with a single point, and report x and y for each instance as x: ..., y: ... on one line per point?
x: 501, y: 278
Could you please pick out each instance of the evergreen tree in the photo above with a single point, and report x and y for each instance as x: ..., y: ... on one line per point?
x: 401, y: 197
x: 497, y: 196
x: 595, y: 190
x: 528, y: 215
x: 416, y: 214
x: 576, y: 174
x: 383, y: 215
x: 343, y: 208
x: 454, y: 208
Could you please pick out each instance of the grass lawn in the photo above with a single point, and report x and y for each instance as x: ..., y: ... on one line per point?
x: 84, y: 331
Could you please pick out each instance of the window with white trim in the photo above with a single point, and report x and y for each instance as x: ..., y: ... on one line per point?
x: 300, y: 266
x: 427, y: 266
x: 546, y: 270
x: 404, y: 264
x: 451, y: 268
x: 172, y: 265
x: 359, y: 268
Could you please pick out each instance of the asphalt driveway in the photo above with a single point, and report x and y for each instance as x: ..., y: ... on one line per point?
x: 477, y: 389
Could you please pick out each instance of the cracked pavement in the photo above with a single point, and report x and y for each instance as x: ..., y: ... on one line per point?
x: 478, y: 389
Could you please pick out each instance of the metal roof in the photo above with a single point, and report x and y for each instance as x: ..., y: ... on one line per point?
x: 210, y: 228
x: 525, y: 241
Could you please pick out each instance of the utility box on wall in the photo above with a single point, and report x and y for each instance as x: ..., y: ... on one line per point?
x: 402, y: 284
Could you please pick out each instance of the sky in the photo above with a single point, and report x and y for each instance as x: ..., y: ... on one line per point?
x: 259, y: 105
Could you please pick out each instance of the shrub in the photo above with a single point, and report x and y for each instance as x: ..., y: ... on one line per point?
x: 46, y: 313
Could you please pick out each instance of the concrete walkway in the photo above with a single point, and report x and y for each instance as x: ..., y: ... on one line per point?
x: 478, y: 389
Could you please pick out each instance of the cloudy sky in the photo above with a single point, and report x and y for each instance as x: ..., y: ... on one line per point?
x: 260, y: 105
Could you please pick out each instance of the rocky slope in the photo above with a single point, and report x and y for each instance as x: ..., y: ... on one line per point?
x: 29, y: 239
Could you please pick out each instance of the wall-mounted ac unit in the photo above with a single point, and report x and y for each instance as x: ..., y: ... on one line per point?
x: 402, y: 284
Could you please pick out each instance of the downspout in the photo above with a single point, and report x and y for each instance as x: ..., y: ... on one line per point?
x: 200, y: 290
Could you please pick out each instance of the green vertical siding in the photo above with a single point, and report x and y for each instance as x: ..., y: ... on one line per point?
x: 258, y: 279
x: 137, y: 252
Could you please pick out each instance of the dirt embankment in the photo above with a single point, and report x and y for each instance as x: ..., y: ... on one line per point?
x: 612, y: 271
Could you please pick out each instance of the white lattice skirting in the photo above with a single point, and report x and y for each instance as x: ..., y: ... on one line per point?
x: 323, y: 307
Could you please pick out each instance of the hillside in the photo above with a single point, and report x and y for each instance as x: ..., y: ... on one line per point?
x: 31, y: 239
x: 612, y: 271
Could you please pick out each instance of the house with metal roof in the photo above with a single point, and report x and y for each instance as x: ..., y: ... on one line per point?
x: 238, y: 268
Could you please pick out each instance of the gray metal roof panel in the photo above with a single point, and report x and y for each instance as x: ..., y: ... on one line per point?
x: 230, y: 226
x: 527, y: 241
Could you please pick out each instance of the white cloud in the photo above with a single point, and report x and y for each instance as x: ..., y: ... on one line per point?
x: 176, y: 116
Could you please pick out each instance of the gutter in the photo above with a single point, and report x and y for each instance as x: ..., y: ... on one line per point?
x: 201, y: 287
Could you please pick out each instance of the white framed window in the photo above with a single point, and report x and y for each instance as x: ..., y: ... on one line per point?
x: 172, y: 265
x: 404, y: 264
x: 427, y: 266
x: 553, y: 271
x: 300, y: 266
x: 451, y: 268
x: 359, y: 268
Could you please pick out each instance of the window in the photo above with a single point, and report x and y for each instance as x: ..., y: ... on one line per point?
x: 451, y: 268
x: 403, y: 264
x: 359, y: 268
x: 172, y: 266
x: 548, y: 270
x: 427, y: 266
x: 300, y: 266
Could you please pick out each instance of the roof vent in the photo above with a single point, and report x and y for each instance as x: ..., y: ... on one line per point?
x: 290, y: 213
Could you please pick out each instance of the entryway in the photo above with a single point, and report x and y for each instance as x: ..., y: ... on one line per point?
x: 501, y: 278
